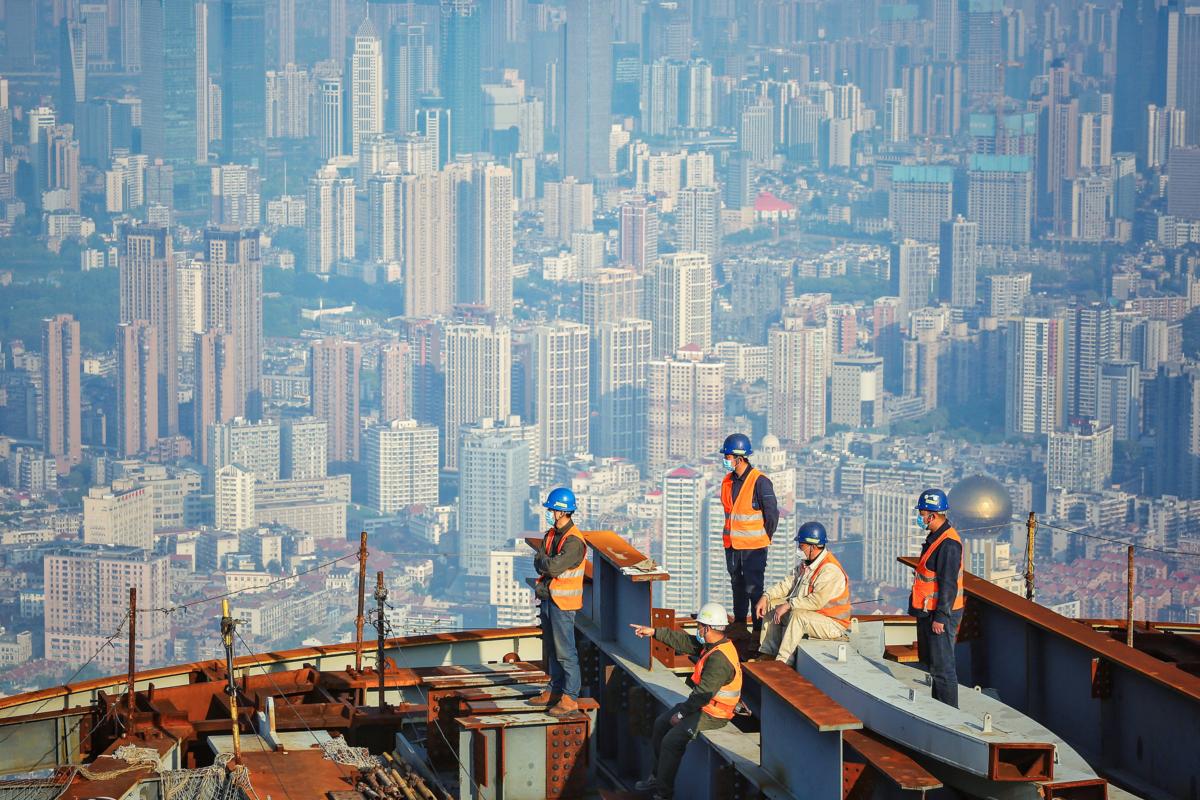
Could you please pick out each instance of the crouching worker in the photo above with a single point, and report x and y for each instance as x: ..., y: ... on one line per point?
x: 716, y: 685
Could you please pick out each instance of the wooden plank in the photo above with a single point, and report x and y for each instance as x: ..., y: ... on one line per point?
x: 891, y: 762
x: 901, y: 653
x: 808, y: 701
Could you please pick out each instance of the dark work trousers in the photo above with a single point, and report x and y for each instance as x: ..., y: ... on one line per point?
x: 558, y: 646
x: 746, y: 570
x: 936, y: 652
x: 668, y: 744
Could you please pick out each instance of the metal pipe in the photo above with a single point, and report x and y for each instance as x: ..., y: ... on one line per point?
x: 129, y: 696
x: 1129, y: 600
x: 227, y: 629
x: 1031, y: 534
x: 362, y: 594
x: 381, y: 594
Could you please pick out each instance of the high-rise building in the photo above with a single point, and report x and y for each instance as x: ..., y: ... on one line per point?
x: 137, y: 387
x: 796, y: 375
x: 983, y: 48
x: 685, y: 409
x: 243, y: 72
x: 1034, y: 376
x: 495, y: 492
x: 958, y: 262
x: 890, y: 527
x: 1140, y: 30
x: 334, y: 369
x: 407, y: 66
x: 61, y: 376
x: 402, y: 465
x: 119, y: 517
x: 234, y: 499
x: 682, y: 552
x: 395, y: 381
x: 233, y: 306
x: 485, y: 239
x: 148, y: 292
x: 478, y: 380
x: 72, y: 68
x: 329, y: 221
x: 1080, y: 459
x: 303, y: 448
x: 169, y: 79
x: 235, y: 193
x: 569, y: 209
x: 1173, y: 399
x: 329, y: 116
x: 700, y: 220
x: 638, y: 220
x: 366, y: 85
x: 913, y: 273
x: 253, y: 446
x: 459, y: 73
x: 683, y: 303
x: 560, y: 379
x: 620, y: 354
x: 215, y: 386
x: 611, y: 295
x: 87, y: 596
x: 754, y: 132
x: 1183, y: 65
x: 1000, y: 198
x: 1121, y: 398
x: 586, y: 105
x: 856, y: 392
x: 1090, y: 341
x: 429, y: 225
x: 920, y: 200
x: 289, y: 97
x: 1089, y: 201
x: 895, y: 115
x: 1007, y: 294
x: 285, y: 51
x: 1183, y: 188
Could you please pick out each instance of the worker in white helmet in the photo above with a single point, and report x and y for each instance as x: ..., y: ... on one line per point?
x: 716, y: 685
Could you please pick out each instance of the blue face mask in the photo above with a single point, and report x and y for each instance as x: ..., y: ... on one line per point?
x: 550, y: 518
x: 700, y: 637
x: 728, y: 465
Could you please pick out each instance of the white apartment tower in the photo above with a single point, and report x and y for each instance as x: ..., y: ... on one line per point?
x: 478, y: 380
x: 366, y: 85
x: 402, y: 465
x: 560, y: 374
x: 683, y: 303
x: 796, y: 381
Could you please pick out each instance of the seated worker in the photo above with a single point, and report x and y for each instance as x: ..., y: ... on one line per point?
x: 716, y: 685
x: 813, y: 602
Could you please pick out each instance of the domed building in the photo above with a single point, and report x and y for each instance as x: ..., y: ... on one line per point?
x: 981, y: 510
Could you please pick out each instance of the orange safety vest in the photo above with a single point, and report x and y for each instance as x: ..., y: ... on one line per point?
x: 567, y: 589
x: 925, y: 585
x: 837, y: 609
x: 726, y: 699
x: 744, y: 528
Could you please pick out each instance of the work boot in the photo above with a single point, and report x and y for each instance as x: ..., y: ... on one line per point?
x: 565, y: 705
x: 546, y: 698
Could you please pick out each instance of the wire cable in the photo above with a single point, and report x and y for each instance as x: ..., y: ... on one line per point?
x: 223, y: 595
x: 1110, y: 540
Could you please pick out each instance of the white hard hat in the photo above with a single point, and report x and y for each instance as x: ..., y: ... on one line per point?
x: 713, y: 614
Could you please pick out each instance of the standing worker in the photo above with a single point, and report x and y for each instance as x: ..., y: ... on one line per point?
x: 559, y: 564
x: 751, y: 515
x: 937, y: 595
x: 716, y: 684
x: 811, y: 603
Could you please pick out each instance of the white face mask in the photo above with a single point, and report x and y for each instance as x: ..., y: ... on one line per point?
x: 550, y: 518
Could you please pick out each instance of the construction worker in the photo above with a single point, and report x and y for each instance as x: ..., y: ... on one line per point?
x: 716, y: 684
x: 559, y: 561
x: 812, y: 603
x: 751, y: 515
x: 937, y: 595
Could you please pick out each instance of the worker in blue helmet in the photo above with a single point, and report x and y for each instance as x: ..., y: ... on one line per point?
x: 937, y: 595
x: 559, y: 561
x: 811, y: 603
x: 751, y: 516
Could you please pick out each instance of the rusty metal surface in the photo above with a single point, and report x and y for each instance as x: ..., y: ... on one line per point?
x: 567, y: 758
x: 1076, y: 790
x: 893, y: 763
x: 620, y: 554
x: 297, y: 774
x: 810, y: 702
x: 662, y: 618
x: 1017, y: 762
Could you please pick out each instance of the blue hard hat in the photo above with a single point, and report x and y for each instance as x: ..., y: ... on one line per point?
x: 737, y: 444
x: 933, y: 500
x: 811, y: 533
x: 560, y: 499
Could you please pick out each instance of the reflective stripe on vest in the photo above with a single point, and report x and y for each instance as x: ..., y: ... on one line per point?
x: 744, y: 528
x: 837, y: 609
x: 567, y: 589
x: 725, y: 700
x: 925, y: 583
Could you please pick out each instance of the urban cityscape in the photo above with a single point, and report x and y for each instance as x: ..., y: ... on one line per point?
x: 276, y: 273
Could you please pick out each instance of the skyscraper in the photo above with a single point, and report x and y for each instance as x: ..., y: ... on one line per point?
x: 958, y: 261
x: 1007, y: 294
x: 891, y: 528
x: 1183, y: 66
x: 429, y: 229
x: 683, y: 303
x: 72, y: 69
x: 395, y: 381
x: 982, y: 48
x: 1080, y: 459
x: 286, y: 47
x: 611, y: 295
x: 338, y: 30
x: 234, y: 499
x: 406, y: 75
x: 169, y: 77
x: 921, y: 199
x: 495, y: 491
x: 682, y: 552
x: 215, y: 386
x: 685, y: 409
x: 329, y: 117
x: 137, y: 387
x: 638, y: 220
x: 243, y: 73
x: 459, y: 72
x: 61, y: 376
x: 329, y: 222
x: 366, y: 85
x: 1174, y: 396
x: 569, y: 209
x: 1090, y: 341
x: 560, y: 378
x: 334, y: 368
x: 796, y: 375
x: 402, y: 465
x: 913, y: 273
x: 1033, y: 378
x: 478, y: 380
x: 233, y: 306
x: 1183, y: 189
x: 148, y: 292
x: 1121, y: 398
x: 254, y: 446
x: 485, y: 239
x: 303, y: 448
x: 856, y: 392
x: 587, y: 88
x: 620, y: 355
x: 1141, y: 34
x: 700, y: 220
x: 1000, y: 198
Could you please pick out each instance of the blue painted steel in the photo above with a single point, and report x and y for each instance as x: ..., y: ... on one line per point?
x: 795, y: 753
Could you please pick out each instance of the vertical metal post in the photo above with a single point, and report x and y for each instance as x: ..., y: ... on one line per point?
x: 1031, y: 534
x: 362, y: 594
x: 129, y: 696
x: 227, y: 628
x: 1129, y: 600
x: 381, y: 594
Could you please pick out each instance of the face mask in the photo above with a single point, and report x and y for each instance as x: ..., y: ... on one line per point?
x: 700, y: 637
x: 550, y: 518
x: 728, y: 465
